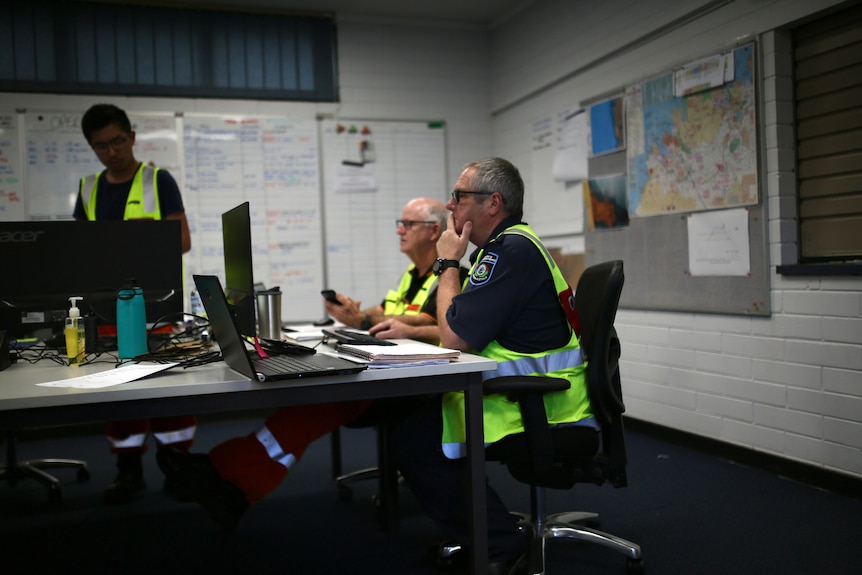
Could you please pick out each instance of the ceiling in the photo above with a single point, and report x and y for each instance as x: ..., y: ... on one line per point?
x: 468, y: 13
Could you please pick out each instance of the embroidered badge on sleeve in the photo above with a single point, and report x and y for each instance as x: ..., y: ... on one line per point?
x: 483, y: 270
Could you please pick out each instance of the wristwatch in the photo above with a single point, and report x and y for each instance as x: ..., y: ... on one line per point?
x: 366, y: 323
x: 441, y: 265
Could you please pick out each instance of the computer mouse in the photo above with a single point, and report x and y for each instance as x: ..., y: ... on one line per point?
x: 324, y: 322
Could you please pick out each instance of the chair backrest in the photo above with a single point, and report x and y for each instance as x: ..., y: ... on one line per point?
x: 561, y: 456
x: 597, y: 298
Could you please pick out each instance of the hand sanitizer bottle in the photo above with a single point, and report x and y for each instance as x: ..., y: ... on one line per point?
x: 75, y: 336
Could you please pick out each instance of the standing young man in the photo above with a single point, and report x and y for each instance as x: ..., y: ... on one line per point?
x: 130, y: 190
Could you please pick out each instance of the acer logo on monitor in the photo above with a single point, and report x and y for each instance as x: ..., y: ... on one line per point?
x: 22, y: 236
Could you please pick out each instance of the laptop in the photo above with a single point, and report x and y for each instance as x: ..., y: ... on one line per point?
x: 237, y: 356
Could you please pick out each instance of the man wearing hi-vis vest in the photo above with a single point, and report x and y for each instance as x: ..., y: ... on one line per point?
x: 130, y: 190
x: 510, y: 309
x: 412, y: 302
x: 240, y: 471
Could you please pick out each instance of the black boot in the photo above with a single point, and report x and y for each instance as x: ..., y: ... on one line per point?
x: 129, y: 480
x: 173, y: 484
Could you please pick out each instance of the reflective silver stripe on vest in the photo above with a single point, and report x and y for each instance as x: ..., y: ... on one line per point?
x: 544, y: 364
x: 148, y: 176
x: 273, y: 449
x: 87, y: 193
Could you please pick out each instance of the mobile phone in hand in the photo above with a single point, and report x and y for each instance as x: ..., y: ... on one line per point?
x: 329, y: 295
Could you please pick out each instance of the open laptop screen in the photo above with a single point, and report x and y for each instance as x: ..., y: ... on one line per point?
x: 238, y: 267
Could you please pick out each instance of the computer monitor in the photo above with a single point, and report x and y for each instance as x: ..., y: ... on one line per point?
x: 238, y: 267
x: 43, y: 263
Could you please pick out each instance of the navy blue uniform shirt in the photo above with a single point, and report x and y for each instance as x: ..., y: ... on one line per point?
x: 514, y: 301
x: 111, y: 198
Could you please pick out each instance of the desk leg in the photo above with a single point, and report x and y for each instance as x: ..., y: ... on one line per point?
x: 388, y: 481
x: 476, y: 464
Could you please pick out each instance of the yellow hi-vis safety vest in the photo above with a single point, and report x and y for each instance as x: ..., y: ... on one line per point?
x: 503, y: 417
x: 143, y: 200
x: 396, y: 300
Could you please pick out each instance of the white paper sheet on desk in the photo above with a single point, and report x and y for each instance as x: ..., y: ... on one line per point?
x: 307, y: 331
x: 110, y: 377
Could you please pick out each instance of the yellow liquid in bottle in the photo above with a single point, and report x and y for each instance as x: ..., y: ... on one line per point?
x: 74, y: 345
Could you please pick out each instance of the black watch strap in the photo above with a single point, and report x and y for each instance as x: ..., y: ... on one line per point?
x: 366, y: 323
x: 441, y: 265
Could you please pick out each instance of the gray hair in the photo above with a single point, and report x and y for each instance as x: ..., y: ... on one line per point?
x: 498, y: 175
x: 438, y: 213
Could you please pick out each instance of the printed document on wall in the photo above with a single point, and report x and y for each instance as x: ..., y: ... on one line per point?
x: 718, y: 243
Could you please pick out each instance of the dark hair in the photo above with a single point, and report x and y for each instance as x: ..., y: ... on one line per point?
x: 102, y: 115
x: 499, y: 175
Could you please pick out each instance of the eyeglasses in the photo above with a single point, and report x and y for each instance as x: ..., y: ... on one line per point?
x: 456, y: 194
x: 116, y: 144
x: 408, y: 224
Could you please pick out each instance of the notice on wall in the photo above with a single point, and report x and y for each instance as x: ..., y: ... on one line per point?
x: 718, y: 243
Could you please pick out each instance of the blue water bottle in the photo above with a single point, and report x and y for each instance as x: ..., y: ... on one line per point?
x: 131, y: 321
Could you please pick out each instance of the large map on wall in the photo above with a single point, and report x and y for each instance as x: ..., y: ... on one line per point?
x: 696, y: 151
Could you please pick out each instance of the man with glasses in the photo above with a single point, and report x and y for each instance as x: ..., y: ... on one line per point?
x: 513, y: 308
x: 410, y: 310
x: 241, y: 471
x: 130, y: 190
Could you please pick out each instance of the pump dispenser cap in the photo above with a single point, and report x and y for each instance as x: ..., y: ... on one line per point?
x: 74, y: 311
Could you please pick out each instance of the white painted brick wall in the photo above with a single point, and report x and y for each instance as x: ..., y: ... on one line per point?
x: 789, y: 384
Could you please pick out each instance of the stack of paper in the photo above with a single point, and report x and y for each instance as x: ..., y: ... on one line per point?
x: 403, y: 353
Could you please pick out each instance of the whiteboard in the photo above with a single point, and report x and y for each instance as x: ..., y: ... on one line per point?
x: 58, y: 156
x: 272, y: 163
x: 404, y: 160
x: 313, y: 226
x: 218, y: 162
x: 11, y: 174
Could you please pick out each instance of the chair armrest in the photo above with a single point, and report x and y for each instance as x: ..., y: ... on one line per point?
x: 528, y: 392
x: 514, y: 384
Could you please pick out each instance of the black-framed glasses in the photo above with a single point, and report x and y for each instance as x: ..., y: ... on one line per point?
x: 456, y: 194
x: 116, y: 144
x: 408, y: 224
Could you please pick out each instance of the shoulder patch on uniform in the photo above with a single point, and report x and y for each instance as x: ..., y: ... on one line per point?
x: 483, y: 270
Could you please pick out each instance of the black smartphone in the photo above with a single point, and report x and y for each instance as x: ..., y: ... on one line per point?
x: 329, y: 295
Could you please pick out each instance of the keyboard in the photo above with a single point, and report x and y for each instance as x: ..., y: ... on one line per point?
x: 356, y: 338
x: 277, y: 364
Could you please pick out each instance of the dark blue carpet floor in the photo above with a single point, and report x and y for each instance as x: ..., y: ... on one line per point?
x: 692, y: 514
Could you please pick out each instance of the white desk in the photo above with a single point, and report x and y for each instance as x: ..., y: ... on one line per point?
x: 216, y: 388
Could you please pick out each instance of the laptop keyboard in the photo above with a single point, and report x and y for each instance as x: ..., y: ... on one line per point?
x: 275, y: 364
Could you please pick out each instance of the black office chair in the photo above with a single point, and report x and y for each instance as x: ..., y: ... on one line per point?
x: 385, y: 502
x: 561, y: 456
x: 343, y: 480
x: 15, y: 470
